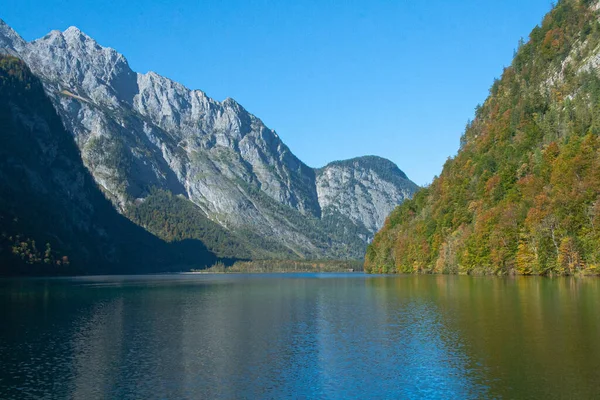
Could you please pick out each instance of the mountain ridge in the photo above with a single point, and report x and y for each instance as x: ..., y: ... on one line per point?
x: 143, y: 132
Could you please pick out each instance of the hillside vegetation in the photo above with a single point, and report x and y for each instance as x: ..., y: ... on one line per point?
x: 523, y: 193
x: 175, y: 218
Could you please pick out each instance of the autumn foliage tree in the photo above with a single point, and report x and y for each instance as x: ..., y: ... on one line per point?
x: 523, y: 193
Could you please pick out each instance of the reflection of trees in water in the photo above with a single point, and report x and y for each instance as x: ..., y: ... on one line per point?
x: 534, y: 337
x: 41, y: 336
x: 418, y: 346
x: 228, y: 336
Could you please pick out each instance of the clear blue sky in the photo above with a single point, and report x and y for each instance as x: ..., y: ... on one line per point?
x: 335, y: 79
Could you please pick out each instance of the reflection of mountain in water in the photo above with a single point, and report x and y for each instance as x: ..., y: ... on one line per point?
x: 241, y: 336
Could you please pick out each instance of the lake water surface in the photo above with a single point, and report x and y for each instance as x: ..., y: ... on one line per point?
x: 300, y: 336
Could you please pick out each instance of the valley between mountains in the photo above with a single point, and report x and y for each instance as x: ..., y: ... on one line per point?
x: 103, y: 169
x: 150, y: 164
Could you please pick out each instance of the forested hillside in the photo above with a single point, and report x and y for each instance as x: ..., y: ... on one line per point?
x: 523, y: 193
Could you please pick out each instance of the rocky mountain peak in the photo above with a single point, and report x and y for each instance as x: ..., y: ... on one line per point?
x: 364, y: 189
x: 74, y: 37
x: 75, y: 62
x: 79, y: 41
x: 9, y: 39
x: 379, y: 164
x: 230, y: 102
x: 74, y: 31
x: 141, y: 132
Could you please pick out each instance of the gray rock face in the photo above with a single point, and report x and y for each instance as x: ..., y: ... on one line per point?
x: 364, y: 189
x: 10, y: 41
x: 142, y: 131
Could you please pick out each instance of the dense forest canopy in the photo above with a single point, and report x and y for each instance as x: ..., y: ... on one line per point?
x: 523, y: 193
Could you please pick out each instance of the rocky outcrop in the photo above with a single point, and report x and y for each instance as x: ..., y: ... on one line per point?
x: 364, y: 189
x: 139, y: 132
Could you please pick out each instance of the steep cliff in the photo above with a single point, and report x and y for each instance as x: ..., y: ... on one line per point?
x: 364, y: 189
x: 53, y: 218
x: 139, y: 133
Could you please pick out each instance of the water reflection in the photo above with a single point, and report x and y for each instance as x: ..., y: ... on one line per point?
x: 528, y: 337
x: 299, y: 336
x: 430, y: 360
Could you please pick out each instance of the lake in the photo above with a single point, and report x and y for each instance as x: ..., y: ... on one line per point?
x: 299, y: 336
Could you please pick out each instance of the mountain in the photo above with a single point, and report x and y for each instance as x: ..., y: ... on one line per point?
x: 523, y: 193
x: 53, y: 217
x: 364, y: 189
x: 156, y: 148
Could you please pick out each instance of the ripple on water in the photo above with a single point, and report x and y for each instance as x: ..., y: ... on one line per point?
x: 298, y: 336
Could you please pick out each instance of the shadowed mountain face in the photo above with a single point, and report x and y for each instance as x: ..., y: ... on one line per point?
x: 142, y: 134
x: 53, y: 217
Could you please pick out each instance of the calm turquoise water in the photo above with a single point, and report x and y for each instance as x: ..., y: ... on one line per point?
x: 300, y: 336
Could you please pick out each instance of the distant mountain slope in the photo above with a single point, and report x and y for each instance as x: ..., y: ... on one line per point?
x: 523, y: 193
x: 142, y: 133
x: 53, y: 218
x: 364, y: 190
